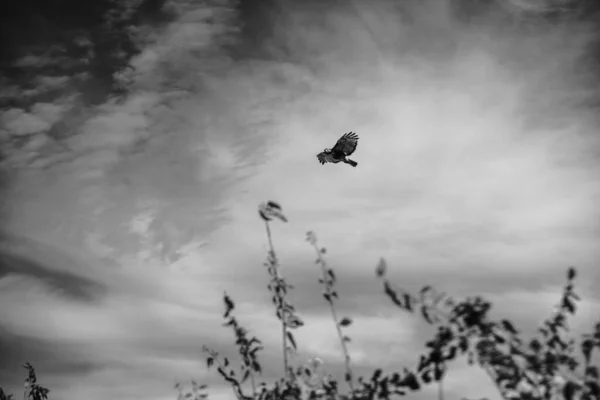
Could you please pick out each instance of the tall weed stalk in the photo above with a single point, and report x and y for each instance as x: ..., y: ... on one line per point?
x: 328, y: 281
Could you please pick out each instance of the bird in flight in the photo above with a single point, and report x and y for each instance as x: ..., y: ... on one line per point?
x: 344, y: 147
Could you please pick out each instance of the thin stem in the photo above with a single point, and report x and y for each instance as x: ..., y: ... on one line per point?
x: 334, y: 316
x: 344, y: 347
x: 441, y: 389
x: 269, y: 237
x: 283, y: 321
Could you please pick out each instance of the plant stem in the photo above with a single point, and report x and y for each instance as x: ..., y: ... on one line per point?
x: 334, y: 316
x: 283, y: 322
x: 270, y: 238
x: 344, y: 347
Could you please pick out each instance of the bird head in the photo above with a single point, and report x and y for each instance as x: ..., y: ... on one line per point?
x: 327, y: 151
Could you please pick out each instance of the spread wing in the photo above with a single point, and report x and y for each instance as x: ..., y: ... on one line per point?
x: 346, y: 144
x: 325, y: 158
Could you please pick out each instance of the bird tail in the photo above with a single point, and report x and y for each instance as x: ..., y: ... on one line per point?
x: 353, y: 163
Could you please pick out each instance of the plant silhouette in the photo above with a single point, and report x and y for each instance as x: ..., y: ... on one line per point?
x: 551, y: 365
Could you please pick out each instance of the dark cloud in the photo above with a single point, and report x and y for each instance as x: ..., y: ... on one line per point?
x: 65, y: 283
x: 50, y: 359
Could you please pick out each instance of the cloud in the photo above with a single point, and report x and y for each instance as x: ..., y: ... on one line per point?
x: 477, y: 174
x: 70, y: 284
x: 21, y: 123
x: 132, y: 317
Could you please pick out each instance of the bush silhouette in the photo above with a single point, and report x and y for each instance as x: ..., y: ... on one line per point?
x: 552, y: 365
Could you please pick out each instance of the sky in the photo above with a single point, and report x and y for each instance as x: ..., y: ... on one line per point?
x: 478, y: 173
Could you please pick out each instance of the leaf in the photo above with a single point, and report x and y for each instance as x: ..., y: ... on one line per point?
x: 254, y: 350
x: 210, y: 361
x: 535, y: 345
x: 593, y: 387
x: 346, y: 339
x: 426, y: 377
x: 376, y: 375
x: 569, y: 305
x: 425, y: 314
x: 230, y: 322
x: 348, y: 377
x: 254, y: 340
x: 295, y: 322
x: 499, y: 339
x: 592, y: 372
x: 263, y: 214
x: 273, y: 205
x: 571, y: 273
x: 229, y: 305
x: 424, y: 291
x: 256, y: 366
x: 423, y: 363
x: 587, y: 346
x: 331, y: 274
x: 411, y: 381
x: 569, y: 390
x: 292, y: 340
x: 575, y: 296
x: 408, y: 302
x: 508, y: 326
x: 391, y: 294
x: 380, y: 270
x: 439, y: 371
x: 345, y: 322
x: 463, y: 344
x: 246, y: 375
x: 451, y: 353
